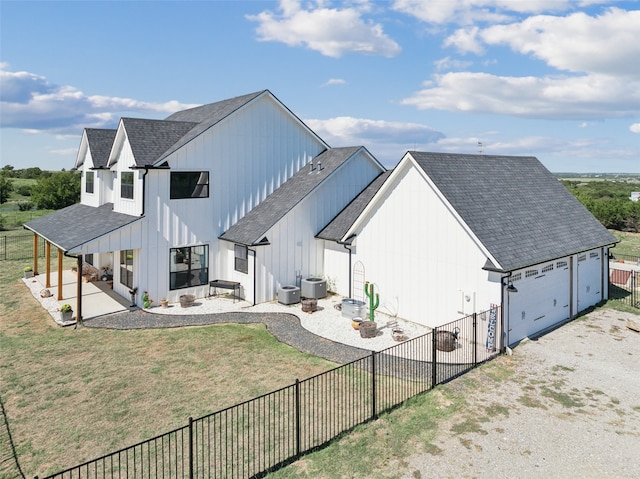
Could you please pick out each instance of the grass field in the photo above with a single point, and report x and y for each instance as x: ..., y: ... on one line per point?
x: 73, y: 395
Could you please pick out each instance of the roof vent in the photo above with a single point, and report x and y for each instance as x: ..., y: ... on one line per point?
x: 319, y: 166
x: 311, y: 167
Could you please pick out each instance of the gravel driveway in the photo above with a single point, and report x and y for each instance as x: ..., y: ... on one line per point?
x: 565, y: 405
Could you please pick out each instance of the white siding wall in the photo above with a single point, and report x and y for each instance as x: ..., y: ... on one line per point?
x: 248, y: 156
x: 293, y: 246
x: 419, y: 257
x: 336, y: 267
x: 125, y: 205
x: 90, y: 199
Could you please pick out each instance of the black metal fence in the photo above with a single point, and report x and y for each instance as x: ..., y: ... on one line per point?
x: 19, y: 247
x: 257, y: 436
x: 624, y: 283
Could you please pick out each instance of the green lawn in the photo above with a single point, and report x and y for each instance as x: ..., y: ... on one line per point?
x: 629, y: 243
x: 73, y: 395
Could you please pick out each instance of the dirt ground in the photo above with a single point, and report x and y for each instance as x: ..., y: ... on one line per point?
x: 564, y: 405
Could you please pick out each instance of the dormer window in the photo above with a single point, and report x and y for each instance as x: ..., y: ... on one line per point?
x: 88, y: 182
x: 126, y: 185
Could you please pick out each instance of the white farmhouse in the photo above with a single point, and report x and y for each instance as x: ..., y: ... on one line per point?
x: 243, y: 192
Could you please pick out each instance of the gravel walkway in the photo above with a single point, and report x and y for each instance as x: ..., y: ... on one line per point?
x: 285, y: 327
x: 565, y: 405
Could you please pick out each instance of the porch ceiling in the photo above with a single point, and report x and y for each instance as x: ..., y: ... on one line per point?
x: 76, y: 225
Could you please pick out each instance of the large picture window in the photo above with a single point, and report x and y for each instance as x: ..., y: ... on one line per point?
x: 189, y: 184
x: 126, y: 185
x: 88, y: 181
x: 241, y: 263
x: 188, y: 266
x: 126, y: 268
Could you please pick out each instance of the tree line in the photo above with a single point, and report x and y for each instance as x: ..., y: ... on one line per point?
x: 52, y: 189
x: 609, y: 202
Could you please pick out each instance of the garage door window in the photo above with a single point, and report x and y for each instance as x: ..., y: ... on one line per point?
x: 516, y: 277
x: 531, y: 272
x: 547, y: 268
x: 561, y: 264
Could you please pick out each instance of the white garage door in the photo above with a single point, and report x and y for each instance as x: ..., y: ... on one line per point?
x: 542, y: 299
x: 589, y: 279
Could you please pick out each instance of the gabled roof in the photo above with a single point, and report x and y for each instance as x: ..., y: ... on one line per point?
x: 75, y: 225
x: 518, y: 210
x: 206, y: 116
x: 251, y: 229
x: 150, y: 138
x: 339, y: 226
x: 100, y: 141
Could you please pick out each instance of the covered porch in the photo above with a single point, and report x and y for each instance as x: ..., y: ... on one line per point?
x: 75, y: 232
x: 98, y: 299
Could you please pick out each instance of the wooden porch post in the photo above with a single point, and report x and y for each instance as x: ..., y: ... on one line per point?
x: 79, y: 292
x: 59, y: 274
x: 35, y: 254
x: 48, y: 260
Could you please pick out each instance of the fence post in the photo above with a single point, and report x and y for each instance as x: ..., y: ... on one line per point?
x: 190, y: 447
x: 434, y: 364
x: 373, y: 385
x: 297, y: 401
x: 475, y: 339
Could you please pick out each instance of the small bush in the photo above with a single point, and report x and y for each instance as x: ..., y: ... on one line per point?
x: 25, y: 205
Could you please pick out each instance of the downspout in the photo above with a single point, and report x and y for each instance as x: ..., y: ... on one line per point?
x: 144, y: 189
x: 505, y: 331
x: 348, y: 244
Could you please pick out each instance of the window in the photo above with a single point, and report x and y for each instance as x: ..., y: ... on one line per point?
x: 89, y: 182
x: 188, y: 266
x: 189, y: 184
x: 241, y: 263
x: 126, y: 268
x: 126, y: 185
x: 531, y: 272
x: 547, y: 268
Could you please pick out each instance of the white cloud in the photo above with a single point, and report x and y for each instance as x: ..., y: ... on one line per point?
x: 330, y: 31
x: 585, y: 97
x: 634, y: 128
x: 387, y: 140
x: 606, y: 44
x: 597, y: 55
x: 466, y: 41
x: 467, y: 12
x: 30, y: 102
x: 334, y: 81
x: 449, y: 63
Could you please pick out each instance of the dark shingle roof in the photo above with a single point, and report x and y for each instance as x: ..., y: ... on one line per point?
x: 100, y: 141
x: 520, y: 212
x: 77, y: 224
x: 254, y: 225
x: 150, y: 138
x: 206, y: 116
x: 339, y: 226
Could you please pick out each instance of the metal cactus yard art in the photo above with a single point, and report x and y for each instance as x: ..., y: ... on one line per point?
x: 373, y: 302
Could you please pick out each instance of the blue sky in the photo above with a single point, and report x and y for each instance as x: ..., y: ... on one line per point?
x: 556, y: 79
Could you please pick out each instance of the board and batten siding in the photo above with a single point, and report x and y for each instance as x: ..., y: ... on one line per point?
x: 248, y: 155
x: 294, y: 248
x: 420, y: 258
x: 126, y: 205
x: 90, y: 199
